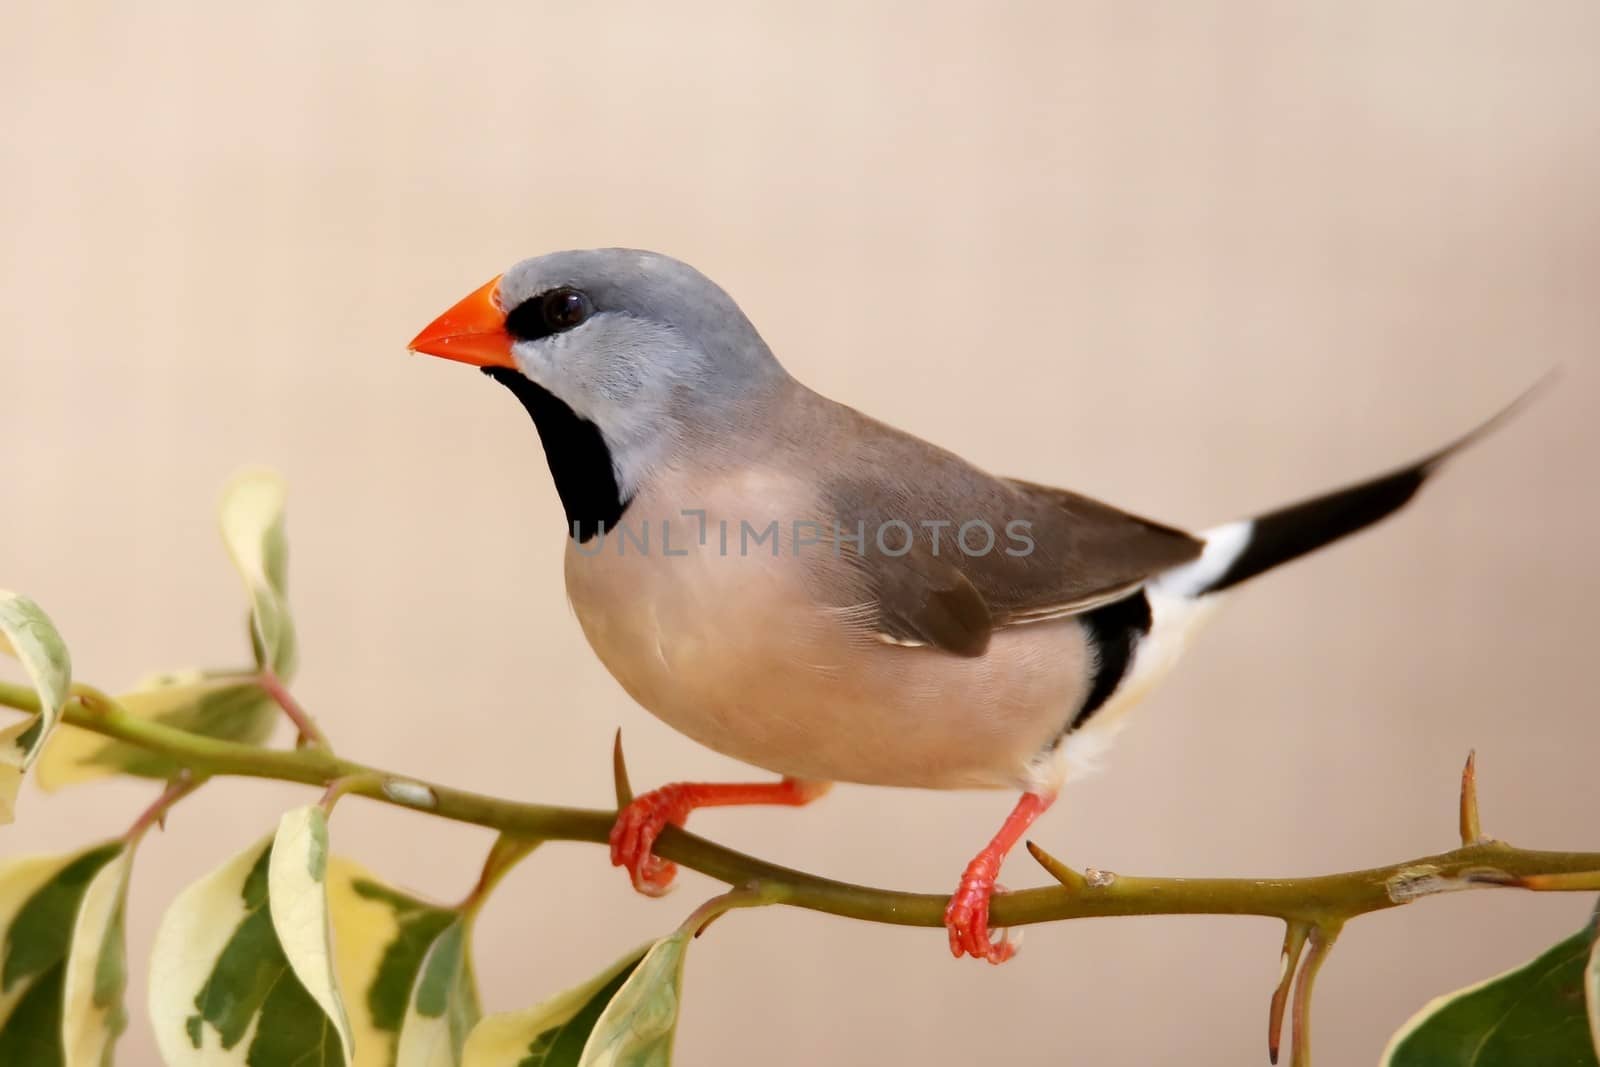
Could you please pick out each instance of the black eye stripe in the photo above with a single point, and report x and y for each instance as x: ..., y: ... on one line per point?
x: 549, y: 312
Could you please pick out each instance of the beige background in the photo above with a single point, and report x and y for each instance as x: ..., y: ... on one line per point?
x: 1195, y: 258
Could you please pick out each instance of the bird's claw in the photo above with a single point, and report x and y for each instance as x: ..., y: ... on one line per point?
x: 634, y: 834
x: 967, y: 918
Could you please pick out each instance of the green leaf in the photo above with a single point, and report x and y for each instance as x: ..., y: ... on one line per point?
x: 638, y: 1025
x: 245, y: 953
x: 225, y: 709
x: 554, y: 1033
x: 625, y: 1017
x: 443, y: 1006
x: 62, y: 976
x: 27, y: 633
x: 1539, y: 1013
x: 251, y: 516
x: 412, y: 958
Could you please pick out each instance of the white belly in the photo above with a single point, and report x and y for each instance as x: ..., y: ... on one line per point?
x: 729, y: 647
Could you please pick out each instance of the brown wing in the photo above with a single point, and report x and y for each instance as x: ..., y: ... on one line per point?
x: 984, y: 552
x: 1109, y: 553
x: 965, y: 553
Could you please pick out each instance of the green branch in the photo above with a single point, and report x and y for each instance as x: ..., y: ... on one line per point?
x: 1319, y: 901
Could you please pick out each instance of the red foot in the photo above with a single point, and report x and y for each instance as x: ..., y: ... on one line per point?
x: 635, y: 832
x: 641, y: 822
x: 967, y: 916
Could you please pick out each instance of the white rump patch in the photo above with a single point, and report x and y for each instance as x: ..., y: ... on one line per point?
x: 1224, y: 545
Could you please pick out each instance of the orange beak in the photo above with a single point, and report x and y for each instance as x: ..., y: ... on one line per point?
x: 474, y: 331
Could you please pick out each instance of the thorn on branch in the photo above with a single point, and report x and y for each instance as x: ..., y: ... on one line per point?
x: 184, y: 783
x: 1575, y: 881
x: 619, y: 773
x: 1068, y: 877
x: 92, y: 700
x: 1471, y: 829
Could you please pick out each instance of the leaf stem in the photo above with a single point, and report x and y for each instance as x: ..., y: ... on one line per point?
x: 342, y: 786
x: 506, y: 852
x: 156, y: 814
x: 1294, y: 942
x: 310, y: 733
x: 1320, y: 942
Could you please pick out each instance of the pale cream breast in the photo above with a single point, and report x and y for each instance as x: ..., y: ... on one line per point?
x: 713, y: 623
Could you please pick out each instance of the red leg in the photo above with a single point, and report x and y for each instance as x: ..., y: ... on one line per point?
x: 638, y: 825
x: 967, y: 917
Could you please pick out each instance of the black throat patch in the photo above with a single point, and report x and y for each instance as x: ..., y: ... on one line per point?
x: 580, y: 462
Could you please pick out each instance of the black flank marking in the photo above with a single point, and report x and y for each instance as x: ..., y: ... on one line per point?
x: 580, y: 462
x: 1290, y: 532
x: 1113, y: 632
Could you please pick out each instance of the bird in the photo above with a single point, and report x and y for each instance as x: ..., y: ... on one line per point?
x: 809, y: 590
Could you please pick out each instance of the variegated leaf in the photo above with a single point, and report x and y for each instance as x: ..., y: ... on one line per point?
x: 27, y: 633
x: 251, y: 516
x: 297, y: 897
x: 1540, y: 1013
x: 551, y: 1034
x: 242, y: 971
x: 637, y: 1027
x: 231, y: 708
x: 443, y: 1006
x: 406, y: 966
x: 227, y: 709
x: 627, y: 1016
x: 62, y: 962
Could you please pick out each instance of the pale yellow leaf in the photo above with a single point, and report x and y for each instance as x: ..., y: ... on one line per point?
x: 69, y: 759
x: 223, y: 989
x: 510, y: 1038
x: 27, y: 633
x: 92, y: 1010
x: 196, y: 928
x: 298, y: 898
x: 252, y: 516
x: 20, y: 879
x: 443, y: 1004
x: 11, y: 768
x: 637, y: 1026
x: 213, y: 707
x: 364, y: 927
x: 69, y: 918
x: 386, y: 947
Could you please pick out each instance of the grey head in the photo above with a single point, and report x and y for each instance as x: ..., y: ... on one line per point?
x: 623, y: 358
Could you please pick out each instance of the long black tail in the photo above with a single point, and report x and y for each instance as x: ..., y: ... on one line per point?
x: 1242, y: 550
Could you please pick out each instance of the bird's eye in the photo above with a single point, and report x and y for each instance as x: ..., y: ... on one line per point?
x: 564, y: 308
x: 548, y: 313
